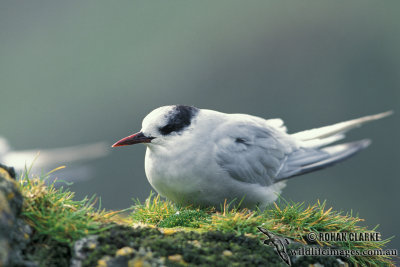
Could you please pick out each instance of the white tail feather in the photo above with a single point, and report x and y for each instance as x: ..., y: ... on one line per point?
x: 338, y: 128
x: 314, y: 143
x: 312, y: 155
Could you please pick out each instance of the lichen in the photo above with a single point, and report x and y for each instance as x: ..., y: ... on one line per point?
x: 149, y: 245
x: 14, y: 232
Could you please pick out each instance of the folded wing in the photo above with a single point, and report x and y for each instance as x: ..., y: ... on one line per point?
x: 263, y: 153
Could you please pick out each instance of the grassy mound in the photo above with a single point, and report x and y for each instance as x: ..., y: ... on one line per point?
x: 215, y: 236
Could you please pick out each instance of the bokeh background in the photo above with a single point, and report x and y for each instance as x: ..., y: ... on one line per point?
x: 74, y: 72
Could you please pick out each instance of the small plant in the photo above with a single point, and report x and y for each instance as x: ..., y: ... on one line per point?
x: 163, y: 213
x: 234, y: 219
x: 53, y: 211
x: 185, y: 218
x: 153, y: 210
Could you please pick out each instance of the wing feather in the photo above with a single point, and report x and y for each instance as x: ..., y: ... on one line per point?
x: 258, y: 151
x: 251, y: 152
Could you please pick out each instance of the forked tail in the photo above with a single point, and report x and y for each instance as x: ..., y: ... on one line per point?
x: 314, y: 156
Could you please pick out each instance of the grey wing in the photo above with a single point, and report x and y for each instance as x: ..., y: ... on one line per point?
x: 261, y: 152
x: 252, y: 153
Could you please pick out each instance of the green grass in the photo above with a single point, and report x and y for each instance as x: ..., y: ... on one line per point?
x: 54, y: 213
x: 288, y: 219
x: 165, y: 214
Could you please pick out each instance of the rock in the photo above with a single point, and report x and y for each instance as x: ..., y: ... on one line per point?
x: 92, y: 251
x: 122, y: 246
x: 125, y: 251
x: 14, y: 232
x: 227, y: 253
x: 176, y: 258
x: 82, y: 249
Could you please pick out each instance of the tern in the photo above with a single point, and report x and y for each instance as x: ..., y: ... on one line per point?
x: 202, y: 157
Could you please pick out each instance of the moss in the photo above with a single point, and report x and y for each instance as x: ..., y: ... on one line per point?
x: 47, y: 252
x: 185, y: 218
x: 186, y: 248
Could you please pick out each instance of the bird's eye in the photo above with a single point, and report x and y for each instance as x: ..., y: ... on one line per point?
x: 167, y: 129
x: 178, y: 119
x: 240, y: 140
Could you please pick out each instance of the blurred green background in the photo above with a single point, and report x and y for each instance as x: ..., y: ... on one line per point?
x: 76, y: 72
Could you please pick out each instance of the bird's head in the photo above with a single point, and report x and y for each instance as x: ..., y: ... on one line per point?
x: 162, y: 124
